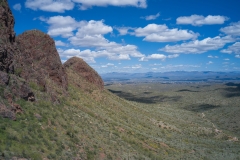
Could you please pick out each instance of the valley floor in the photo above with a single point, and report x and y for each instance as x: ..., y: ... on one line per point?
x: 198, y: 120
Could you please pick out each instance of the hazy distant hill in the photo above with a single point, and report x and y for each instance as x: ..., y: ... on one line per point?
x: 177, y: 76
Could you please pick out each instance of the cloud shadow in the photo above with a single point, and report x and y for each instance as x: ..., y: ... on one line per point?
x: 147, y: 100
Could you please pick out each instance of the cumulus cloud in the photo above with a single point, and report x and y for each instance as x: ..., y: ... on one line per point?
x: 107, y: 65
x: 210, y: 56
x: 124, y: 30
x: 89, y: 34
x: 151, y: 17
x: 86, y: 4
x: 235, y: 48
x: 199, y: 20
x: 60, y: 43
x: 90, y: 55
x: 87, y: 55
x: 198, y: 46
x: 62, y: 26
x: 50, y: 5
x: 237, y: 56
x: 157, y: 57
x: 137, y: 66
x: 233, y: 29
x: 161, y: 33
x: 210, y: 62
x: 17, y: 7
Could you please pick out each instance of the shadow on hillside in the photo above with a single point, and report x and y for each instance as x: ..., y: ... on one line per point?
x: 200, y: 108
x: 147, y: 100
x: 186, y: 90
x: 147, y: 92
x: 233, y: 90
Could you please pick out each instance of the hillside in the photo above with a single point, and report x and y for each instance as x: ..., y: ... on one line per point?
x: 54, y: 111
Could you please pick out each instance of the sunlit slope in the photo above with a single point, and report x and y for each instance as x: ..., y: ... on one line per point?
x: 93, y: 124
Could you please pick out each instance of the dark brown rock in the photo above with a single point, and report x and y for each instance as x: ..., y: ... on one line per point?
x: 10, y: 112
x: 4, y: 78
x: 6, y: 112
x: 19, y: 88
x: 12, y: 85
x: 7, y: 38
x: 80, y: 67
x: 39, y: 60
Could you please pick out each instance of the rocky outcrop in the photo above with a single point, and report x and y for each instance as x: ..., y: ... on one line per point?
x: 8, y: 51
x: 39, y: 60
x: 80, y: 67
x: 7, y: 38
x: 12, y: 87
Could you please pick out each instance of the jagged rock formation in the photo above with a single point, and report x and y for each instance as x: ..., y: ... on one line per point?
x: 7, y: 37
x: 82, y: 69
x: 11, y: 86
x: 39, y: 61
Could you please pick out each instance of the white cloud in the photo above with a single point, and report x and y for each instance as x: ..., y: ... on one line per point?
x: 17, y: 7
x: 156, y: 64
x: 233, y: 29
x: 62, y: 26
x: 137, y: 66
x: 197, y: 46
x: 90, y: 34
x: 110, y: 64
x: 161, y: 33
x: 93, y: 28
x: 50, y: 5
x: 235, y: 48
x: 237, y: 56
x: 199, y: 20
x: 226, y: 59
x: 85, y: 4
x: 210, y: 62
x: 107, y: 65
x: 151, y: 17
x: 90, y: 55
x: 158, y: 57
x: 210, y: 56
x: 42, y: 18
x: 60, y: 43
x: 87, y: 55
x: 179, y: 67
x: 124, y: 30
x: 173, y: 56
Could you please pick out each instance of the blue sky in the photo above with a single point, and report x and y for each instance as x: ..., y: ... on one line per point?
x: 139, y: 35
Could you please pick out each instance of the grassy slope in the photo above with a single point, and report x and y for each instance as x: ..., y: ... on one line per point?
x: 93, y: 124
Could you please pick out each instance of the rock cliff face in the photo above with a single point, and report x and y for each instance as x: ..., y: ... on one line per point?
x: 81, y: 68
x: 7, y: 37
x: 11, y: 86
x: 39, y: 60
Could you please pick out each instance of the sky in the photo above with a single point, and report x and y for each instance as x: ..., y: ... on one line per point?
x: 138, y: 36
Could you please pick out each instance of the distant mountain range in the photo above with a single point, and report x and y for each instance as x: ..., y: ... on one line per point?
x: 175, y: 76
